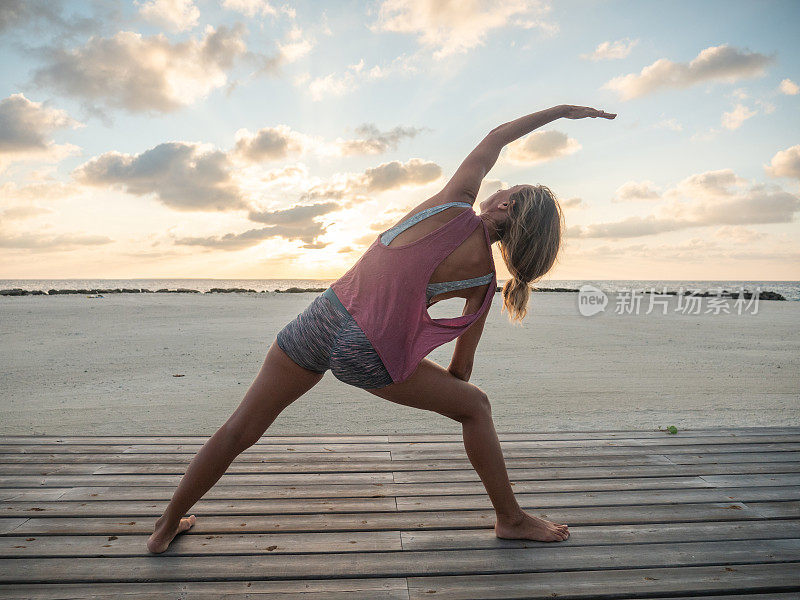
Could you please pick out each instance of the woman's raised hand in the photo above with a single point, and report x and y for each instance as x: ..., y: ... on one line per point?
x: 581, y: 112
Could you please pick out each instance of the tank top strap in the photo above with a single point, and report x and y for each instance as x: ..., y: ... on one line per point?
x: 393, y: 232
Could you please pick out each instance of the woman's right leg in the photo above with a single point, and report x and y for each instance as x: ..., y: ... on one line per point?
x: 434, y: 388
x: 279, y: 383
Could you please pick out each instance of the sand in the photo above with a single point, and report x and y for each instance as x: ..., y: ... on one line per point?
x: 73, y: 365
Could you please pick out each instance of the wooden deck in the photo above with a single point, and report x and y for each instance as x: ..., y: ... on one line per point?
x: 711, y: 513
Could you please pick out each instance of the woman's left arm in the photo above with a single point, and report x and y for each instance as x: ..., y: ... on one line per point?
x: 467, y: 343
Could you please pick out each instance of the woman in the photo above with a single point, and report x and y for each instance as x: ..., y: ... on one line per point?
x: 372, y: 328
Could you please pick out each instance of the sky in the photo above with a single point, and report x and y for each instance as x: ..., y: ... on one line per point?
x: 267, y: 139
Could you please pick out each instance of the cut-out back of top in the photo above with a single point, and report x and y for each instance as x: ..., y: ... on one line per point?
x: 441, y: 286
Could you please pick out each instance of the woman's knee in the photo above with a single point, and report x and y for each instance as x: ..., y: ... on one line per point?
x: 476, y: 408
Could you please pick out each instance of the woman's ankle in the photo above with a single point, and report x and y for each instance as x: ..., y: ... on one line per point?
x: 510, y: 518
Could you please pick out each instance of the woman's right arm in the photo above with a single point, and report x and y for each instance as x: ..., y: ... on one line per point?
x: 466, y: 181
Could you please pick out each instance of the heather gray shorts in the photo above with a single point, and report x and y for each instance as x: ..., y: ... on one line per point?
x: 325, y: 336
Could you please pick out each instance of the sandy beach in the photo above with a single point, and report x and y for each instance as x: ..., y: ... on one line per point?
x: 77, y: 365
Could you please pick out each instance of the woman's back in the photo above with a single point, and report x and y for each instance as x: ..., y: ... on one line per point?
x: 386, y: 290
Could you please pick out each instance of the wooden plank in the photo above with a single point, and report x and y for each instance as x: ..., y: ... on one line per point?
x: 454, y: 539
x: 232, y: 491
x: 587, y: 473
x: 238, y: 507
x: 746, y: 443
x: 229, y: 490
x: 598, y: 498
x: 187, y: 439
x: 185, y: 458
x: 410, y: 520
x: 290, y: 460
x: 409, y: 437
x: 737, y: 457
x: 606, y: 434
x: 172, y: 480
x: 388, y: 588
x: 9, y: 525
x: 195, y: 544
x: 248, y: 506
x: 659, y: 581
x: 420, y: 453
x: 559, y: 556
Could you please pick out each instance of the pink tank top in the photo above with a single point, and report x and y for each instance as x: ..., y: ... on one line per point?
x: 384, y: 292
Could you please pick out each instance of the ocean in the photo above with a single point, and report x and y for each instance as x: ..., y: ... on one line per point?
x: 789, y: 289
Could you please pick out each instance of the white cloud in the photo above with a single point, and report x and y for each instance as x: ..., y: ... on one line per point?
x: 633, y: 191
x: 612, y: 50
x: 541, y: 146
x: 711, y: 201
x: 454, y: 27
x: 184, y: 176
x: 739, y: 234
x: 716, y: 63
x: 175, y: 15
x: 789, y: 87
x: 735, y: 118
x: 338, y: 84
x: 25, y: 130
x: 280, y: 142
x: 672, y: 124
x: 144, y: 73
x: 785, y: 163
x: 37, y: 241
x: 250, y: 8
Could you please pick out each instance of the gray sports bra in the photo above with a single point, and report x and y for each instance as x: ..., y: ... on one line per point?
x: 441, y: 286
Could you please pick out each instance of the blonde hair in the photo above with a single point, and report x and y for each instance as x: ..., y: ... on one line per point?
x: 529, y: 244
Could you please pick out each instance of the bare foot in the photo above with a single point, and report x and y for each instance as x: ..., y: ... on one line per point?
x: 527, y: 527
x: 163, y: 535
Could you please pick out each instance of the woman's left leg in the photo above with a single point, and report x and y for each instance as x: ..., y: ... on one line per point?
x: 434, y: 388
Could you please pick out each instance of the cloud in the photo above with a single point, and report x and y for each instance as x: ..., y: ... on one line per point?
x: 735, y: 118
x: 573, y: 203
x: 17, y: 213
x: 175, y: 15
x: 612, y: 50
x: 785, y: 163
x: 296, y: 215
x: 25, y: 129
x: 182, y: 175
x: 789, y: 87
x: 711, y: 202
x: 19, y: 17
x: 280, y: 142
x: 349, y: 81
x: 143, y: 74
x: 633, y: 191
x: 271, y: 143
x: 715, y: 63
x: 455, y: 27
x: 45, y: 190
x: 384, y: 177
x: 541, y: 146
x: 374, y: 141
x: 251, y: 8
x: 51, y: 243
x: 739, y: 234
x: 395, y: 174
x: 669, y: 124
x: 296, y: 222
